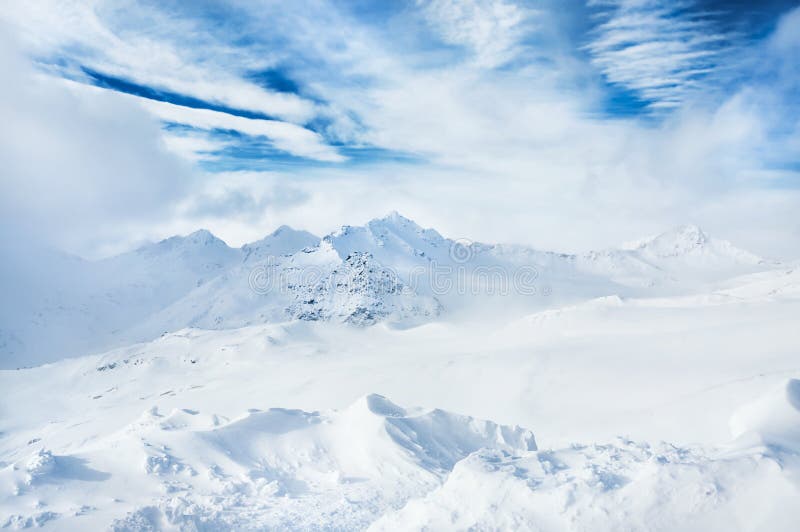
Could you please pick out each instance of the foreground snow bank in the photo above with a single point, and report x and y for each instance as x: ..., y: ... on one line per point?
x: 751, y: 484
x: 276, y: 468
x: 380, y: 466
x: 773, y: 420
x: 625, y: 485
x: 163, y: 436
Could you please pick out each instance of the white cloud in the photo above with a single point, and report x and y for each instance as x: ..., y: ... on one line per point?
x: 786, y: 35
x: 490, y: 29
x: 193, y: 146
x: 657, y: 48
x: 148, y: 55
x: 287, y: 137
x: 76, y: 168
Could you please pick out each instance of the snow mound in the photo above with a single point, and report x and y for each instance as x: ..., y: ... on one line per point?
x: 372, y: 439
x: 436, y: 439
x: 284, y: 468
x: 625, y: 485
x: 268, y: 469
x: 43, y: 469
x: 376, y: 464
x: 783, y: 283
x: 773, y: 420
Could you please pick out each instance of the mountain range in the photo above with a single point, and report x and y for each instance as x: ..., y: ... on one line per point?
x: 389, y: 270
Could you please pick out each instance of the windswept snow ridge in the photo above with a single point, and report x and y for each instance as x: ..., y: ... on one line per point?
x: 275, y: 468
x: 773, y: 420
x: 625, y: 485
x: 377, y: 465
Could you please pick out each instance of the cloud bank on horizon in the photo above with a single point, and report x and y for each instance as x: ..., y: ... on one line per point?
x: 564, y: 124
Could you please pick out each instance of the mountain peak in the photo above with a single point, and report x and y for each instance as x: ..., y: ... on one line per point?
x: 284, y: 240
x: 689, y: 240
x: 284, y: 229
x: 202, y: 236
x: 394, y: 218
x: 392, y: 221
x: 690, y: 231
x: 678, y: 240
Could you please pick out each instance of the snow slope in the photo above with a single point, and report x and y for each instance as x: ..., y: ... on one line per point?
x: 62, y: 306
x: 624, y: 485
x: 279, y: 425
x: 274, y: 468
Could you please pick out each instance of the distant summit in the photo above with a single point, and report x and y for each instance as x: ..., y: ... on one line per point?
x: 687, y: 240
x: 200, y: 238
x: 679, y: 239
x: 283, y: 241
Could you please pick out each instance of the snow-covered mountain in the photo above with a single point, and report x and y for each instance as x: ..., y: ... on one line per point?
x: 390, y: 269
x: 313, y: 284
x: 283, y: 241
x: 65, y: 306
x: 677, y: 259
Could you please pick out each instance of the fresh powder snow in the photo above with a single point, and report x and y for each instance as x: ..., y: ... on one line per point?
x: 340, y: 387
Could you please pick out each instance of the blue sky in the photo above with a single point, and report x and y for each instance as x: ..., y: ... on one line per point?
x: 567, y: 124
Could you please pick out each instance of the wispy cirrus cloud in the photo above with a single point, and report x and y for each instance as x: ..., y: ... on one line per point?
x: 285, y: 136
x: 201, y: 142
x: 663, y: 50
x: 180, y: 71
x: 150, y: 46
x: 492, y: 30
